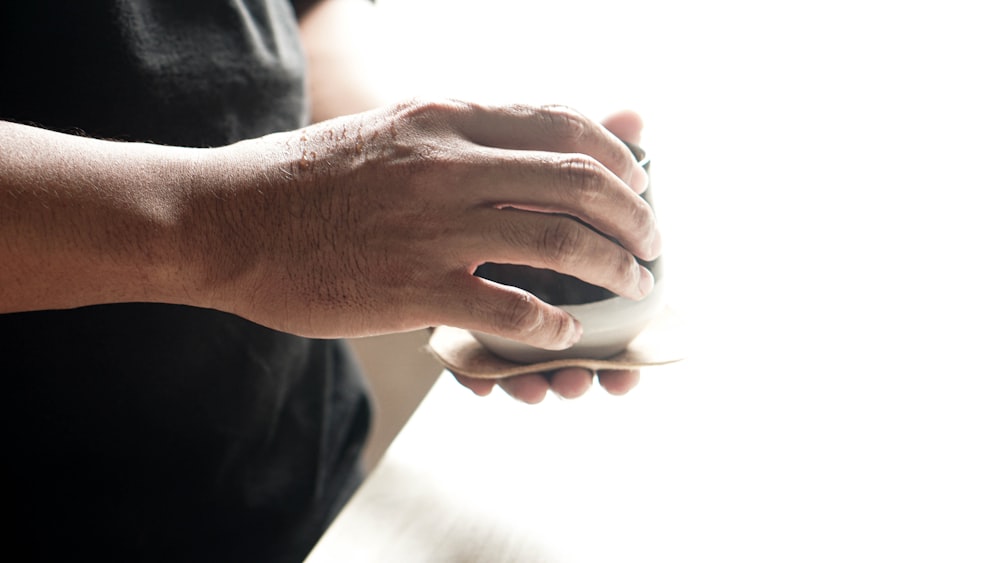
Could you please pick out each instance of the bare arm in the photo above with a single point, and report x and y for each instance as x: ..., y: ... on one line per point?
x: 365, y: 224
x: 84, y: 221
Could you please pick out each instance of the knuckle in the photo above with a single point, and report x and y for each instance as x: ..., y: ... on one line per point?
x: 565, y: 122
x: 430, y: 111
x: 560, y: 242
x: 513, y: 234
x: 623, y: 267
x: 581, y: 176
x: 519, y: 315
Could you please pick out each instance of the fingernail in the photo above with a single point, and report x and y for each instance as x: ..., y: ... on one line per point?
x: 656, y: 247
x: 572, y: 336
x: 646, y: 282
x: 640, y: 180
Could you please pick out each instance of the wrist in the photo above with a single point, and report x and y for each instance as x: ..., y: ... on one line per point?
x: 223, y: 208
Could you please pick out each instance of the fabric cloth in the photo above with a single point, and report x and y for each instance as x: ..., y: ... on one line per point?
x: 458, y: 350
x: 150, y: 432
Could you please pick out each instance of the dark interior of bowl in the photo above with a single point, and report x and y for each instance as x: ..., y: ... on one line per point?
x: 552, y: 287
x: 549, y: 286
x: 556, y: 288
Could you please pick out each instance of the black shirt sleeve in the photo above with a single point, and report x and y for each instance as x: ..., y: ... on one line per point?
x: 151, y: 432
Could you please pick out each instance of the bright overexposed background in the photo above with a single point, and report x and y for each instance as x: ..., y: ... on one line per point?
x: 827, y: 176
x: 823, y: 169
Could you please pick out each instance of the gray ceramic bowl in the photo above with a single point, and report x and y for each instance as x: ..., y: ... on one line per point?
x: 610, y: 322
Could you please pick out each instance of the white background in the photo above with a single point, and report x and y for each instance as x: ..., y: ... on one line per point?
x: 827, y: 177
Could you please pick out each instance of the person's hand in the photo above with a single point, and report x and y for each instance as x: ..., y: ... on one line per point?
x: 572, y: 382
x: 376, y: 222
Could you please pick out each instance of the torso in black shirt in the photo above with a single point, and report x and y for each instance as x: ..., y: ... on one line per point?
x: 149, y: 432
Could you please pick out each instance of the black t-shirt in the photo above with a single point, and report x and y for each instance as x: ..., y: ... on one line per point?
x: 150, y: 432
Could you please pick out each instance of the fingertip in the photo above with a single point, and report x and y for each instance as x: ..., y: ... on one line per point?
x: 571, y: 333
x: 657, y: 242
x: 572, y: 383
x: 646, y: 282
x: 481, y: 387
x: 516, y: 314
x: 626, y: 124
x: 618, y: 382
x: 528, y: 388
x: 639, y: 180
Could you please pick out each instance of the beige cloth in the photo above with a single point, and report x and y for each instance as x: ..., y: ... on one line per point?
x: 461, y: 353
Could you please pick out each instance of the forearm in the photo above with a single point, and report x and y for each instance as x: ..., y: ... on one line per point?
x: 85, y: 221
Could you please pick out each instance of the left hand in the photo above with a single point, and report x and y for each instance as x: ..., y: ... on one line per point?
x: 568, y: 383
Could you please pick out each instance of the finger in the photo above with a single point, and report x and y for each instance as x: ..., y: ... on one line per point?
x: 552, y: 129
x: 477, y: 304
x: 530, y: 388
x: 572, y: 184
x: 625, y: 124
x: 559, y: 243
x: 618, y: 382
x: 481, y: 387
x: 571, y: 383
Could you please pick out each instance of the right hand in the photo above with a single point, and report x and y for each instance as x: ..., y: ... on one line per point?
x: 375, y: 222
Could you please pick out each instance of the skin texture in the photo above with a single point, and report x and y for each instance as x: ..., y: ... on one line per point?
x: 376, y: 222
x: 84, y: 221
x: 360, y: 224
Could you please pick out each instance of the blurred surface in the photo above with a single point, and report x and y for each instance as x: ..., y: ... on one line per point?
x: 399, y: 372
